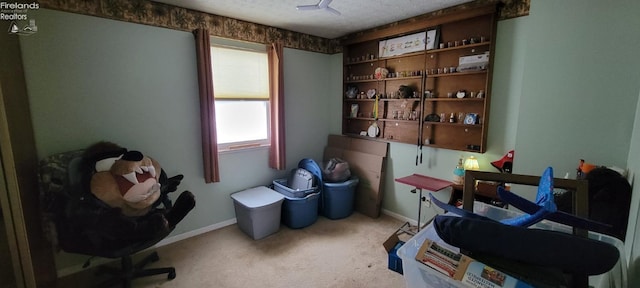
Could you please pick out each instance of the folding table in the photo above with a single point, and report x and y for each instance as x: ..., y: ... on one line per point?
x: 423, y: 182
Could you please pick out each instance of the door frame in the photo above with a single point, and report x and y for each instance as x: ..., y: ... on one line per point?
x: 12, y: 207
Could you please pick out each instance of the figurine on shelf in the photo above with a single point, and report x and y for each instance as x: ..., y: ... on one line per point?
x: 458, y: 173
x: 381, y: 73
x: 583, y: 169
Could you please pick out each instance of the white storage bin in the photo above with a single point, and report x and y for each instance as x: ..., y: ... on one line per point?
x: 258, y: 211
x: 418, y: 275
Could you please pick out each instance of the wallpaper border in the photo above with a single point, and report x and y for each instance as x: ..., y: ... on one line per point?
x: 177, y: 18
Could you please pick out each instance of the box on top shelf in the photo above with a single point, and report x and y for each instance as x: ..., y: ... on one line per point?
x: 473, y: 62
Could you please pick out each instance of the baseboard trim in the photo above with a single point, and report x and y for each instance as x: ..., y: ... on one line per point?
x: 399, y: 217
x: 101, y: 261
x: 192, y: 233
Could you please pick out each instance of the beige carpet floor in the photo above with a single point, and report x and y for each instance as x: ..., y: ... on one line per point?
x: 330, y: 253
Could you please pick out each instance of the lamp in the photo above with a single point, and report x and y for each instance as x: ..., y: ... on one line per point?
x: 471, y: 163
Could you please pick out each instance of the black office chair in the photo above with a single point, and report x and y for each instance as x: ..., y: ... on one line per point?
x: 78, y: 222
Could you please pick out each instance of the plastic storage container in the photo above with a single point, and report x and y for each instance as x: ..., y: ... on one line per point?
x: 300, y: 212
x: 280, y: 185
x: 338, y: 198
x: 300, y: 207
x: 419, y: 275
x: 258, y: 211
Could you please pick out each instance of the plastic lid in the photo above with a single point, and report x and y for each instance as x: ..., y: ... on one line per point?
x: 257, y: 197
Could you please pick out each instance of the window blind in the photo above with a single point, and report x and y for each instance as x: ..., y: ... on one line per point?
x: 239, y: 74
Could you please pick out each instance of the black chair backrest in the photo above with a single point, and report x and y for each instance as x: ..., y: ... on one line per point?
x: 78, y: 222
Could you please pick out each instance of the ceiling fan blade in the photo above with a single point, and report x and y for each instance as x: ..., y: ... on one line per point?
x: 324, y: 3
x: 307, y: 7
x: 334, y: 11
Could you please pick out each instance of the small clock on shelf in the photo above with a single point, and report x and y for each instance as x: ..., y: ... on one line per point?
x: 471, y: 118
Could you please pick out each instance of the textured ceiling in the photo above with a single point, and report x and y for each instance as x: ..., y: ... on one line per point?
x: 355, y: 15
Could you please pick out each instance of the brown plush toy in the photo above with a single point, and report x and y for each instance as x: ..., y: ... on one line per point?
x: 129, y: 182
x: 106, y: 200
x: 133, y: 184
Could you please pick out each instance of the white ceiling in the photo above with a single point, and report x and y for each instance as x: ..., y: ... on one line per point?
x: 356, y: 15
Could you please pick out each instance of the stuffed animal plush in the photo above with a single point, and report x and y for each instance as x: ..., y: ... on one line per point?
x: 129, y: 181
x: 117, y: 201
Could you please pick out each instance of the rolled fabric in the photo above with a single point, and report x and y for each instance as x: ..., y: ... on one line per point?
x: 546, y: 248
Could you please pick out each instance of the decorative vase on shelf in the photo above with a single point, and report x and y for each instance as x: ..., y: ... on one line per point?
x: 458, y: 173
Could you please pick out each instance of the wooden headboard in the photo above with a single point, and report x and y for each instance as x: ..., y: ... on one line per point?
x: 580, y: 196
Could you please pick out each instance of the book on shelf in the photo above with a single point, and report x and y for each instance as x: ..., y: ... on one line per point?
x: 465, y: 269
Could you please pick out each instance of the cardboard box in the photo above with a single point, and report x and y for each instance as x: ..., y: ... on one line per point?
x: 473, y: 62
x: 395, y: 242
x: 391, y: 245
x: 439, y: 258
x: 477, y: 274
x: 395, y: 263
x: 464, y: 269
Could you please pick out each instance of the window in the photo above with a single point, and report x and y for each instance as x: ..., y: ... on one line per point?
x: 274, y: 107
x: 241, y: 91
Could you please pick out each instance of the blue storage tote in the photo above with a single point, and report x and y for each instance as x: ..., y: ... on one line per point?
x: 280, y: 185
x: 338, y: 198
x: 300, y: 212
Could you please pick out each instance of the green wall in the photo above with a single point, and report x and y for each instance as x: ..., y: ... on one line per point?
x: 92, y: 79
x: 580, y: 86
x: 580, y: 94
